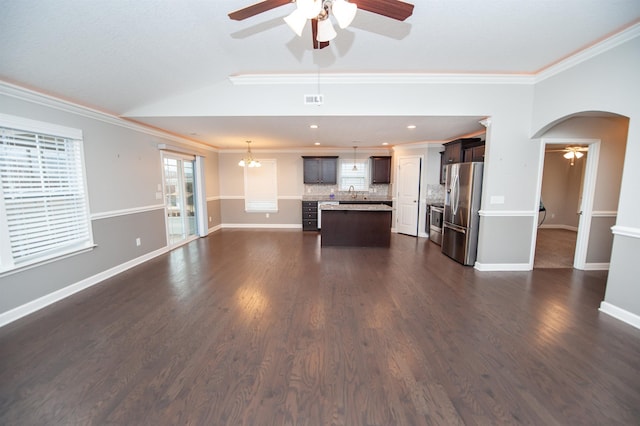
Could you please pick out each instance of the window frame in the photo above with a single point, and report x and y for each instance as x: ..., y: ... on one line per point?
x: 262, y: 203
x: 347, y: 163
x: 8, y: 261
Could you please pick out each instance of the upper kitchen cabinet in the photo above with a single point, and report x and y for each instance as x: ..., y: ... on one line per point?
x: 474, y: 153
x: 452, y: 152
x: 322, y: 170
x: 380, y: 169
x: 461, y: 151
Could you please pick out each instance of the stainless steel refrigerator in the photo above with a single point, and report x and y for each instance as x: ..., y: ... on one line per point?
x: 463, y: 188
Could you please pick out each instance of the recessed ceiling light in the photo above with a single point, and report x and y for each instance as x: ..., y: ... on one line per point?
x: 411, y: 126
x: 317, y: 143
x: 385, y: 143
x: 313, y: 126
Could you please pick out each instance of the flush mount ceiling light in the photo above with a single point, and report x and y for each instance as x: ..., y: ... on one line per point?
x: 248, y: 160
x: 318, y: 12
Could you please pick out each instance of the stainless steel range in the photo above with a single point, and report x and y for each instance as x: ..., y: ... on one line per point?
x: 436, y: 212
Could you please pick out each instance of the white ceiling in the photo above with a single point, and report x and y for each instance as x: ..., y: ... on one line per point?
x: 120, y: 56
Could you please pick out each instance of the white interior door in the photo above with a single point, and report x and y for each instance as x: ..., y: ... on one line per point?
x: 409, y: 169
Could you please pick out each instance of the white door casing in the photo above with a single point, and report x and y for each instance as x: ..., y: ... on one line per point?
x: 408, y: 195
x: 586, y: 201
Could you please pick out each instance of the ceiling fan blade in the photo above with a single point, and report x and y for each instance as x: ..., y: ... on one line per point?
x: 314, y: 34
x: 395, y: 9
x: 257, y: 8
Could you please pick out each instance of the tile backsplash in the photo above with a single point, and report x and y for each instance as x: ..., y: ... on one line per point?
x: 378, y: 190
x: 435, y: 193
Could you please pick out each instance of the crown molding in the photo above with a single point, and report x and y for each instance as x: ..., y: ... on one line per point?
x: 379, y: 78
x: 310, y: 151
x: 609, y: 43
x: 32, y: 96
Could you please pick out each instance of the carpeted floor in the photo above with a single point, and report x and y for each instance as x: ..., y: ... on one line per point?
x: 555, y: 248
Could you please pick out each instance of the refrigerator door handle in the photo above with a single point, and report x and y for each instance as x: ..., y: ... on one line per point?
x: 455, y: 199
x: 455, y: 227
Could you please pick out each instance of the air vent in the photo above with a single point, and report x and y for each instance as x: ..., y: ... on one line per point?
x: 313, y: 99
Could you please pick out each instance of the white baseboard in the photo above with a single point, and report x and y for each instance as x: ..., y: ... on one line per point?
x: 44, y: 301
x: 214, y: 229
x: 502, y: 267
x: 596, y: 266
x: 621, y: 314
x: 261, y: 226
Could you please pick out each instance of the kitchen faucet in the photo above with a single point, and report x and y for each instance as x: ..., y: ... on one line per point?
x: 355, y: 194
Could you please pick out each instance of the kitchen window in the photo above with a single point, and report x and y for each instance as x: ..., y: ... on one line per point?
x: 44, y: 209
x: 358, y: 178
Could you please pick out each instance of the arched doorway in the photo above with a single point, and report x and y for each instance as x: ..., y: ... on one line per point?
x: 606, y: 136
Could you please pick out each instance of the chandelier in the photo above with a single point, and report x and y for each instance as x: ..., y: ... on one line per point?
x: 248, y: 160
x: 343, y: 11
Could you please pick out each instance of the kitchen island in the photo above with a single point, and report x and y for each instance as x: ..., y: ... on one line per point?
x: 357, y: 225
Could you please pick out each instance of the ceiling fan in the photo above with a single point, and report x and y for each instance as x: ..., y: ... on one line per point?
x: 318, y: 12
x: 571, y: 152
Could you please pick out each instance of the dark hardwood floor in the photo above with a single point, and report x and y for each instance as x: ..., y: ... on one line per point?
x: 251, y: 327
x: 555, y: 248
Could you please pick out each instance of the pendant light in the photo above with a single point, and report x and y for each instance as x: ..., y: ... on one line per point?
x: 355, y: 168
x: 248, y: 160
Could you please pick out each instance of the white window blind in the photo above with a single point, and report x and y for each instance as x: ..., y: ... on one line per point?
x: 43, y: 198
x: 261, y: 187
x: 359, y: 178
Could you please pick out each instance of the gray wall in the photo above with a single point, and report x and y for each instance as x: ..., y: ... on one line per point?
x: 607, y: 82
x: 124, y: 170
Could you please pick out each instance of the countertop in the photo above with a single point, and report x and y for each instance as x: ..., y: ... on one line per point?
x: 347, y: 198
x: 357, y: 207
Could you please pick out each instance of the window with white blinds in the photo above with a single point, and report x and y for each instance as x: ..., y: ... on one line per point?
x: 358, y: 178
x: 43, y: 200
x: 261, y: 187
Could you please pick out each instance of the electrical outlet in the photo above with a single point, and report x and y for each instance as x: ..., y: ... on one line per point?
x: 210, y: 219
x: 267, y: 215
x: 138, y: 242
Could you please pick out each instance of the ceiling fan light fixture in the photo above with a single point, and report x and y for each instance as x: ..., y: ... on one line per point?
x: 325, y: 31
x: 568, y: 155
x: 296, y: 20
x: 310, y: 9
x: 344, y: 12
x: 579, y: 154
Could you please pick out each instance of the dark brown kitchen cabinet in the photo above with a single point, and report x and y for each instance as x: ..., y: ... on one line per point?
x: 322, y: 170
x: 452, y: 152
x: 380, y: 169
x: 474, y: 153
x: 309, y: 215
x: 461, y: 151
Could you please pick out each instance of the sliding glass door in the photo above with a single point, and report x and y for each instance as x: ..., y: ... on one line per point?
x: 179, y: 184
